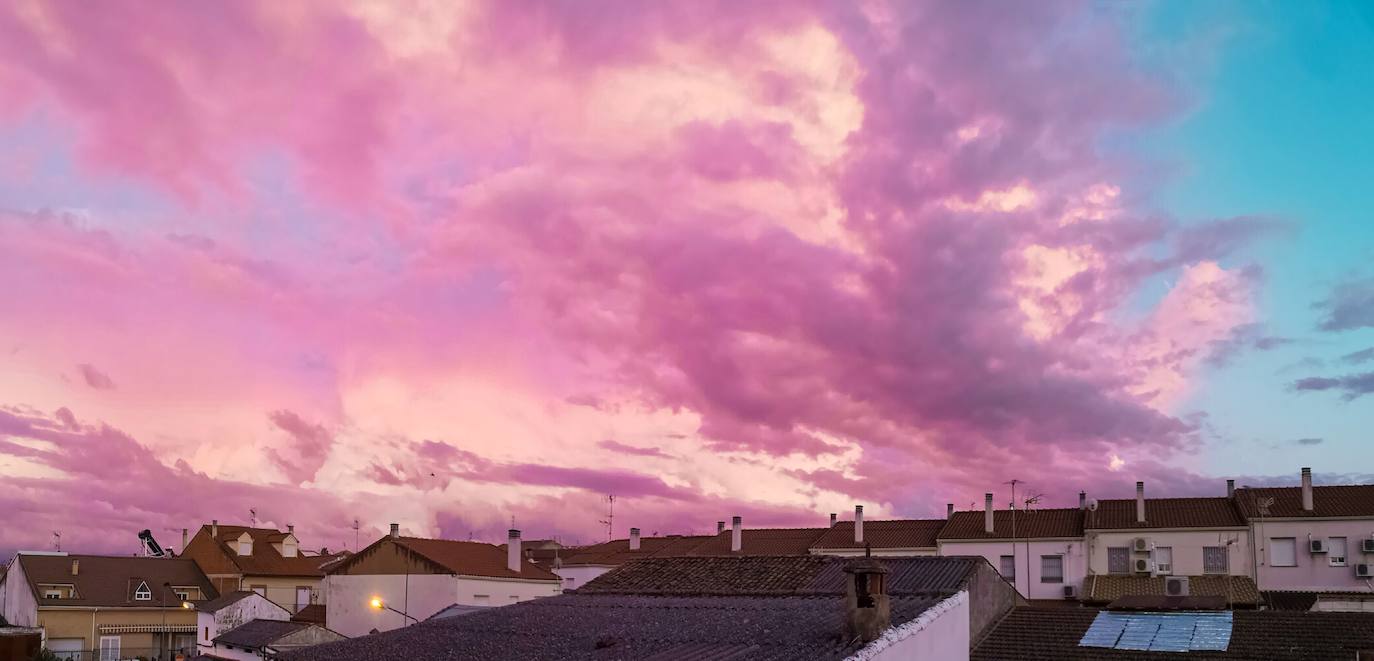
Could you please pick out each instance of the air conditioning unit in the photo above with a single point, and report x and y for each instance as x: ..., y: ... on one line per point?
x: 1141, y: 545
x: 1363, y: 570
x: 1143, y: 566
x: 1316, y: 545
x: 1367, y: 545
x: 1176, y: 586
x: 1068, y: 592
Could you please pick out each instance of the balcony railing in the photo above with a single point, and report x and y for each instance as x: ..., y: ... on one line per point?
x: 126, y: 654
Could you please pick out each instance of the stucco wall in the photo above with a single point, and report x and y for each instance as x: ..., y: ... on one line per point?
x: 580, y: 575
x: 1187, y: 548
x: 1028, y: 581
x: 210, y: 625
x: 1313, y: 571
x: 282, y: 590
x: 990, y: 597
x: 78, y: 623
x: 21, y: 608
x: 235, y: 653
x: 350, y: 614
x: 939, y: 634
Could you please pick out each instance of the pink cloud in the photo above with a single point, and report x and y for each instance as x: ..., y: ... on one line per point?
x: 94, y: 377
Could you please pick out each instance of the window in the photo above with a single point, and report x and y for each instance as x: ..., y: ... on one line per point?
x: 246, y: 547
x: 143, y: 593
x: 482, y: 599
x: 260, y: 589
x: 1164, y: 559
x: 52, y: 594
x: 1283, y: 552
x: 1214, y: 560
x: 302, y: 597
x: 1009, y: 567
x: 1335, y: 551
x: 1118, y: 560
x: 109, y: 648
x: 1051, y: 569
x: 182, y: 594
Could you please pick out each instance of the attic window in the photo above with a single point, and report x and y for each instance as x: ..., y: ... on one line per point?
x: 245, y: 545
x: 143, y: 593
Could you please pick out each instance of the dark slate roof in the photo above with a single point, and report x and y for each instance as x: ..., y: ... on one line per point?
x: 1285, y: 600
x: 893, y: 534
x: 1119, y: 514
x: 776, y: 576
x: 1052, y: 634
x: 1030, y: 524
x: 761, y: 541
x: 1328, y: 501
x: 597, y: 627
x: 1107, y: 588
x: 256, y: 634
x: 110, y: 581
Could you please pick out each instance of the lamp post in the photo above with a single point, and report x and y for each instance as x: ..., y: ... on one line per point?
x: 162, y: 636
x: 377, y: 604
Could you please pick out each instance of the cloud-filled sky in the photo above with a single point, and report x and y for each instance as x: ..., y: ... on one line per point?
x: 455, y: 265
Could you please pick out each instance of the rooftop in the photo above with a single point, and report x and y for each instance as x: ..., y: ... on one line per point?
x: 617, y: 552
x: 1029, y: 524
x: 1327, y: 501
x: 256, y: 634
x: 761, y: 541
x: 893, y: 534
x: 776, y: 576
x: 1107, y: 588
x: 1119, y: 514
x: 265, y: 560
x: 457, y: 557
x: 228, y: 599
x: 111, y: 581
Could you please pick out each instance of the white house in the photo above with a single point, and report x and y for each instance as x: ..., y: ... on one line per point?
x: 1312, y: 538
x: 233, y: 610
x: 1040, y: 551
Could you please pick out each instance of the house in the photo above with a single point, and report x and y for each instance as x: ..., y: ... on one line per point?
x: 265, y: 639
x: 91, y: 606
x: 724, y: 607
x: 1039, y: 550
x: 1058, y: 634
x: 399, y: 580
x: 263, y: 560
x: 898, y: 537
x: 1311, y: 538
x: 1130, y: 542
x: 230, y: 611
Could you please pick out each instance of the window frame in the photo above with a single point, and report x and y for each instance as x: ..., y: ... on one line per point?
x: 1045, y: 578
x: 1225, y: 561
x: 1001, y: 567
x: 1121, y: 551
x: 1274, y: 542
x: 1155, y: 557
x: 1331, y: 554
x: 143, y: 592
x: 115, y: 649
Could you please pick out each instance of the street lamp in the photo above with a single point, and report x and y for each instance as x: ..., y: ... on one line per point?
x: 377, y: 604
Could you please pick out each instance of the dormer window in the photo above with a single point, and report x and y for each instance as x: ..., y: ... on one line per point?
x: 143, y: 593
x: 245, y: 545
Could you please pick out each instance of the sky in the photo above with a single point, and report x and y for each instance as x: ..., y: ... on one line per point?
x: 463, y: 266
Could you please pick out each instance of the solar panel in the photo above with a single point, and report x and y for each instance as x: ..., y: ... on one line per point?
x: 1160, y: 632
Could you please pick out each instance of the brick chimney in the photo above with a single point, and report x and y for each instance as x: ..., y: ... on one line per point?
x: 720, y: 527
x: 395, y: 530
x: 858, y: 524
x: 987, y: 513
x: 76, y: 567
x: 1083, y: 500
x: 736, y: 534
x: 867, y: 610
x: 1140, y: 502
x: 634, y: 539
x: 833, y: 518
x: 1230, y: 488
x: 949, y: 511
x: 513, y: 550
x: 1306, y: 489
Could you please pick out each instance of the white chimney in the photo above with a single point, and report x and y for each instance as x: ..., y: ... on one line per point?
x: 1307, y: 489
x: 290, y: 528
x: 949, y: 511
x: 513, y: 550
x: 76, y: 567
x: 858, y: 524
x: 634, y: 539
x: 833, y: 518
x: 214, y: 528
x: 1140, y: 502
x: 987, y: 513
x: 736, y: 534
x: 1230, y: 488
x: 183, y: 541
x: 395, y: 530
x: 1083, y: 500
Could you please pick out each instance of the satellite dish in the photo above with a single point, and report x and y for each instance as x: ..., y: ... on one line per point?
x: 1092, y: 504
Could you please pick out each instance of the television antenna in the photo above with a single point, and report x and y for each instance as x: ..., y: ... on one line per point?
x: 252, y: 518
x: 609, y: 521
x: 57, y: 541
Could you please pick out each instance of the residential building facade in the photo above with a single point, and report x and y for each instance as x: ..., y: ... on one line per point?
x: 230, y: 611
x: 1315, y: 538
x: 1040, y: 551
x: 263, y: 560
x: 898, y: 537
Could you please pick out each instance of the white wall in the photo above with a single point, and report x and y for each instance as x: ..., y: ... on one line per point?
x: 1187, y: 548
x: 349, y: 612
x: 880, y: 553
x: 247, y: 609
x: 941, y: 633
x: 580, y: 575
x: 1314, y: 571
x: 21, y: 608
x: 1028, y: 583
x: 236, y: 653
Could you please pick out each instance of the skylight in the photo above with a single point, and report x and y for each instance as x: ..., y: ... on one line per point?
x: 1160, y: 632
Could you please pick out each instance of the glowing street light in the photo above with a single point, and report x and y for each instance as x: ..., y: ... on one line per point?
x: 377, y: 604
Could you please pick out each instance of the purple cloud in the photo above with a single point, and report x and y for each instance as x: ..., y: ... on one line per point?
x: 94, y: 377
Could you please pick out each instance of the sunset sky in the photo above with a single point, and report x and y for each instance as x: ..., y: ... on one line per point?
x: 451, y: 267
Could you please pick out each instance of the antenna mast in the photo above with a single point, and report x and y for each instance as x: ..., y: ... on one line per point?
x: 609, y: 521
x: 57, y: 541
x: 252, y: 518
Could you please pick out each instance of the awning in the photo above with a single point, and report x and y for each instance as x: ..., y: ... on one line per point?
x: 147, y: 628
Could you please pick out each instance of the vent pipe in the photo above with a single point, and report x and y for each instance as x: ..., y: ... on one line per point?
x: 1140, y: 502
x: 513, y: 550
x: 214, y: 528
x: 858, y: 524
x: 183, y: 540
x: 1306, y: 489
x: 987, y: 513
x: 1083, y: 500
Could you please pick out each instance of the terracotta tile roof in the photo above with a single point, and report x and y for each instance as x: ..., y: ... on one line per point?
x: 1327, y: 501
x: 1030, y: 524
x: 1119, y: 514
x: 761, y: 541
x: 617, y: 552
x: 1052, y: 634
x: 1104, y: 589
x: 458, y: 557
x: 110, y: 581
x: 265, y: 560
x: 1157, y: 602
x: 894, y: 534
x: 312, y: 613
x: 776, y: 575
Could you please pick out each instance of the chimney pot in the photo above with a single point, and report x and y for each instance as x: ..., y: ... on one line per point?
x: 395, y: 530
x: 858, y: 524
x: 987, y: 513
x: 291, y: 528
x: 76, y: 567
x: 949, y: 511
x: 1140, y: 502
x: 868, y: 613
x: 214, y: 528
x: 634, y: 539
x: 513, y: 550
x: 1306, y: 489
x: 1083, y: 500
x: 833, y: 519
x: 1230, y: 488
x: 736, y: 534
x: 720, y: 527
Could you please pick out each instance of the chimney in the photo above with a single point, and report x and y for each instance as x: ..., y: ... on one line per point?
x: 736, y: 534
x: 858, y: 524
x: 76, y: 567
x: 833, y: 518
x: 1083, y: 500
x: 1140, y: 502
x: 183, y: 540
x: 395, y: 530
x: 987, y: 513
x: 634, y: 539
x: 290, y: 528
x: 949, y: 511
x: 1230, y: 488
x: 513, y: 550
x: 1306, y: 489
x: 868, y: 613
x: 720, y: 527
x: 214, y: 528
